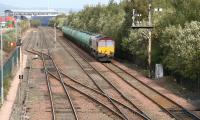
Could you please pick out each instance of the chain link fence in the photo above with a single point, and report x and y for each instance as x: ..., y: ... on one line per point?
x: 10, y: 65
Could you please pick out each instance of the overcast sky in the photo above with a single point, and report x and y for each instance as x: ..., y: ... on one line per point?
x: 69, y: 4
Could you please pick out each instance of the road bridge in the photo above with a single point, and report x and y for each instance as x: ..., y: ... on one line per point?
x: 27, y: 13
x: 43, y: 15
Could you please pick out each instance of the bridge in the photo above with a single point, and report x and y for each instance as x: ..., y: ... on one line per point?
x: 43, y: 15
x: 17, y: 12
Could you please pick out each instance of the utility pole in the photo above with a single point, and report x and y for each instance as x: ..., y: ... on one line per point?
x: 150, y: 39
x: 17, y: 41
x: 55, y: 32
x: 2, y: 88
x: 149, y: 27
x: 55, y: 39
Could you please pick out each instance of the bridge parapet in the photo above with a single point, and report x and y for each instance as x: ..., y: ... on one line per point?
x: 32, y: 12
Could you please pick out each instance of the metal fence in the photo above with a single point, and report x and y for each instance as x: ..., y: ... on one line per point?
x: 10, y: 64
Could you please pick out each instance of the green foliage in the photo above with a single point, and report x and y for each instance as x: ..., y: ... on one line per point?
x: 8, y: 38
x: 24, y: 25
x: 51, y: 22
x: 106, y: 20
x: 136, y: 44
x: 35, y: 23
x: 181, y: 49
x: 58, y: 21
x: 7, y: 85
x: 184, y: 11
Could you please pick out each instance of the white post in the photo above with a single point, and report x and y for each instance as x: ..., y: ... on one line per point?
x: 55, y: 32
x: 55, y: 39
x: 149, y: 46
x: 16, y: 43
x: 2, y: 90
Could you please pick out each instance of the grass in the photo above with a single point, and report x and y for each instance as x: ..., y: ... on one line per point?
x: 6, y: 85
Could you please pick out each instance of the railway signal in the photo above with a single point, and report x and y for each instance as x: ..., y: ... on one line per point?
x: 149, y: 27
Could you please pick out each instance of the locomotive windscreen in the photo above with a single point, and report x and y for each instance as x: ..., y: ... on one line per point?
x: 109, y: 43
x: 102, y: 43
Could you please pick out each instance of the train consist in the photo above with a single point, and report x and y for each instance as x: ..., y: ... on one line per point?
x: 102, y: 48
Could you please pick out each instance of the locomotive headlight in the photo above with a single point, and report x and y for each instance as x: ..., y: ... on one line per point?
x: 111, y: 53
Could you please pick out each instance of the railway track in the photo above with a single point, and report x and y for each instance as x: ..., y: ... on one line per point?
x: 59, y: 103
x: 89, y: 93
x: 98, y: 78
x: 98, y: 97
x: 26, y: 44
x: 117, y: 106
x: 170, y: 107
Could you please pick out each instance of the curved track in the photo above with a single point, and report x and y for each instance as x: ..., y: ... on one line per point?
x: 171, y: 107
x: 123, y: 110
x: 90, y: 71
x: 50, y: 64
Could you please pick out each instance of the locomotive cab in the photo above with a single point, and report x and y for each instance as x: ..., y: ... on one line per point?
x: 105, y: 48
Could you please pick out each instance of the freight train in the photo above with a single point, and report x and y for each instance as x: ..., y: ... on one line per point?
x: 101, y: 47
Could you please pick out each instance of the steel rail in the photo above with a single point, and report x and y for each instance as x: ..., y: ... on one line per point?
x: 194, y: 117
x: 103, y: 94
x: 62, y: 82
x: 37, y: 53
x: 28, y: 41
x: 119, y: 92
x: 66, y: 91
x: 112, y: 101
x: 146, y: 118
x: 123, y: 116
x: 90, y: 97
x: 49, y: 89
x: 167, y: 111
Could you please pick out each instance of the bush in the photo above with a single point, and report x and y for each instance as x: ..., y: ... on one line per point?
x: 24, y: 24
x: 181, y: 49
x: 35, y: 23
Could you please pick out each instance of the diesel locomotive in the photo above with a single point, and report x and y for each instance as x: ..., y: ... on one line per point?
x: 101, y: 47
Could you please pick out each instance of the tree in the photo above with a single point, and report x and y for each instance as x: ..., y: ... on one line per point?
x: 181, y: 49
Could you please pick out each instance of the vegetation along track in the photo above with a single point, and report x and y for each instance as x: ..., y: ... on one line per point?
x: 98, y: 78
x: 170, y: 107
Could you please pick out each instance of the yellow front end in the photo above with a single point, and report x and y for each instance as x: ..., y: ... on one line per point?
x: 107, y: 51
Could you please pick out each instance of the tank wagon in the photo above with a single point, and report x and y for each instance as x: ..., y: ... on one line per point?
x: 101, y: 47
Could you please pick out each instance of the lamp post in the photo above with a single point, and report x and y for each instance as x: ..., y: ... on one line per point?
x: 150, y: 39
x: 17, y: 41
x: 55, y: 39
x: 2, y: 89
x: 55, y: 32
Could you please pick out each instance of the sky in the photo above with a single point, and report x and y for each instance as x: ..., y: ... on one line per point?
x: 68, y: 4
